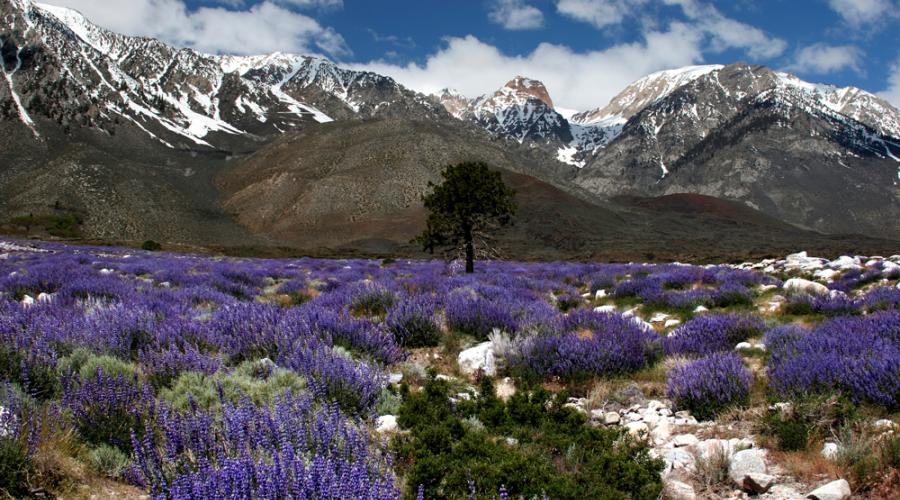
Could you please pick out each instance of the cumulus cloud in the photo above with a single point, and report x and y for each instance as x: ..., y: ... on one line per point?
x: 262, y: 28
x: 726, y: 33
x: 859, y: 13
x: 515, y: 15
x: 576, y: 80
x: 892, y: 93
x: 599, y: 13
x: 821, y: 58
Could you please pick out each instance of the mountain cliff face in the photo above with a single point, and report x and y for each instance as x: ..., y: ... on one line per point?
x: 818, y: 156
x: 136, y: 137
x: 61, y: 69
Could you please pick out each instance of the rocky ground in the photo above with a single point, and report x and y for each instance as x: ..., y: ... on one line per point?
x: 729, y: 457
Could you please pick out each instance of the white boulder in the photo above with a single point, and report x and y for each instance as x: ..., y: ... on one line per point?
x: 683, y: 440
x: 747, y: 462
x: 608, y: 309
x: 835, y: 490
x: 805, y: 286
x: 599, y: 294
x: 830, y: 450
x: 700, y: 309
x: 672, y: 322
x: 677, y: 490
x: 386, y: 423
x: 480, y: 357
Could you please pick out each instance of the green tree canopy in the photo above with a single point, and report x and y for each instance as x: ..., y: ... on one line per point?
x: 471, y: 199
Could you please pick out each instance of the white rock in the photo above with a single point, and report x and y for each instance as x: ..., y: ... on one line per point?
x: 611, y: 418
x: 386, y: 423
x: 661, y: 432
x: 672, y: 322
x: 700, y: 309
x: 830, y: 450
x: 682, y: 440
x: 805, y: 286
x: 747, y: 462
x: 826, y: 274
x: 756, y: 482
x: 44, y: 297
x: 395, y: 378
x: 480, y: 357
x: 106, y: 271
x: 637, y: 428
x: 743, y: 346
x: 599, y: 294
x: 27, y: 301
x: 4, y: 421
x: 629, y: 313
x: 659, y: 317
x: 845, y: 262
x: 677, y: 458
x: 766, y: 288
x: 605, y: 309
x: 505, y: 389
x: 677, y: 490
x: 835, y: 490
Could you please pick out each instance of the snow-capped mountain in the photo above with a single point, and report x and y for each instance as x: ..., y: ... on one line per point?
x: 59, y: 66
x: 90, y: 118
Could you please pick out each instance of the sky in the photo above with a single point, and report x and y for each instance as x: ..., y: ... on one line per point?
x: 585, y: 51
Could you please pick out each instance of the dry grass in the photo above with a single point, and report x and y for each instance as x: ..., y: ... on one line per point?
x: 711, y: 470
x: 807, y: 466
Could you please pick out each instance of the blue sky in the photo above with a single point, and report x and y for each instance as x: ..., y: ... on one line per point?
x: 584, y: 50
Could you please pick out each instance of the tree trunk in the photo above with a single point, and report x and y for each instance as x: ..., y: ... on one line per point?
x: 470, y: 249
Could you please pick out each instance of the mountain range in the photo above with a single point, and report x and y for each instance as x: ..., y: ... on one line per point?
x: 142, y: 140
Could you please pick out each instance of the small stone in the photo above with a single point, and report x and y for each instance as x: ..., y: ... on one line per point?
x: 511, y: 441
x: 395, y: 378
x: 672, y: 322
x: 27, y: 301
x: 883, y: 425
x: 478, y: 358
x: 677, y: 490
x: 700, y: 309
x: 505, y: 389
x: 664, y: 412
x: 743, y: 346
x: 830, y: 450
x: 682, y: 440
x: 756, y: 482
x: 683, y: 414
x: 661, y: 432
x: 835, y: 490
x: 44, y: 297
x: 386, y: 423
x: 599, y: 294
x: 611, y: 418
x: 637, y: 428
x: 608, y: 309
x: 805, y: 286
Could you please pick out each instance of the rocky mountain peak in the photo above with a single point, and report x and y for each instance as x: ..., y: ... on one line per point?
x: 526, y: 87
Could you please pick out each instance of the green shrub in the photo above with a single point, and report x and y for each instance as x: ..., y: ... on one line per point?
x: 40, y: 380
x: 151, y: 246
x: 108, y: 460
x: 258, y: 380
x: 372, y: 302
x: 14, y: 467
x: 552, y: 451
x: 791, y: 430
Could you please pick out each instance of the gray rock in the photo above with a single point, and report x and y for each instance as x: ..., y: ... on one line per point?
x: 682, y: 440
x: 677, y: 490
x: 611, y: 418
x: 835, y: 490
x: 758, y: 483
x: 830, y: 450
x: 744, y: 463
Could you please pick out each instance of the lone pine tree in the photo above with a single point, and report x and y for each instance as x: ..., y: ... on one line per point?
x: 472, y: 198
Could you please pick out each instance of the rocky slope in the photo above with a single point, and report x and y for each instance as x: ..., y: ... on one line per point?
x: 818, y: 156
x: 129, y: 134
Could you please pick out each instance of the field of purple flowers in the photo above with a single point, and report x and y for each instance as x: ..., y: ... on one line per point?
x: 204, y: 377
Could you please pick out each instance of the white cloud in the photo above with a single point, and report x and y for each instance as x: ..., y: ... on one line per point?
x: 859, y: 13
x: 576, y: 80
x: 515, y: 15
x: 892, y: 93
x: 263, y: 28
x: 599, y: 13
x: 726, y: 33
x: 821, y: 58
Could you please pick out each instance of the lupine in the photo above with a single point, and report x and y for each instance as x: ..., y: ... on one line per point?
x: 708, y: 385
x: 859, y: 357
x: 712, y: 333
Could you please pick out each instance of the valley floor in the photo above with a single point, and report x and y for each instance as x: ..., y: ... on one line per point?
x: 129, y: 373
